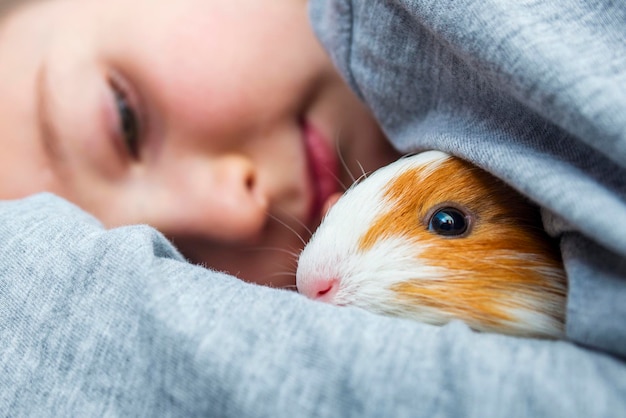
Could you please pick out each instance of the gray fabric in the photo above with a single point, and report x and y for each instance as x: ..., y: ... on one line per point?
x: 532, y: 91
x: 116, y: 323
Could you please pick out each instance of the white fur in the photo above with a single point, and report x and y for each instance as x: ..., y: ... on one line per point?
x: 365, y: 278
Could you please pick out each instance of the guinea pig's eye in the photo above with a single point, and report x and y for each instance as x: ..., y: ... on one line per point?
x: 449, y: 222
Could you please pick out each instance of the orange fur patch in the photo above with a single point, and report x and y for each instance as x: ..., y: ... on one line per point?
x: 498, y: 266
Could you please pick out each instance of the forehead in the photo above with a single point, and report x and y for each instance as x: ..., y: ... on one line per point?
x: 204, y: 18
x: 243, y: 10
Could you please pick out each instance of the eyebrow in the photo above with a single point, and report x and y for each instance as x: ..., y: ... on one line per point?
x: 49, y: 137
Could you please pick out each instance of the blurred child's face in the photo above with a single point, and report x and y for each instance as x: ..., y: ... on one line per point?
x: 216, y: 121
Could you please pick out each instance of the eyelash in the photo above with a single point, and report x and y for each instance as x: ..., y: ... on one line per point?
x: 129, y: 127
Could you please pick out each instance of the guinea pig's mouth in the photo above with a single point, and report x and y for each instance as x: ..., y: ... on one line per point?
x: 323, y: 169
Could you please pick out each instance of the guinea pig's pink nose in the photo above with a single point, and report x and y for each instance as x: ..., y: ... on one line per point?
x: 320, y: 289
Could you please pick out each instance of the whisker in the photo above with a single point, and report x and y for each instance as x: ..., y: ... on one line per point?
x: 281, y: 274
x: 364, y: 174
x: 341, y: 159
x: 295, y: 218
x: 341, y: 183
x: 288, y: 227
x: 292, y: 253
x: 291, y: 274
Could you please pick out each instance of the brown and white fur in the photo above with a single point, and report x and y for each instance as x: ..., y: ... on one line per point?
x: 375, y: 250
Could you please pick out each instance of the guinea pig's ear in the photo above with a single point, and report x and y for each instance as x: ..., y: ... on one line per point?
x: 449, y: 220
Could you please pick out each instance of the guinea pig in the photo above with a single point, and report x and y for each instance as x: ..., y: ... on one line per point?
x: 433, y: 238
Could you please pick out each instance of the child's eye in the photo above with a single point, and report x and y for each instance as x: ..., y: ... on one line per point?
x: 128, y: 122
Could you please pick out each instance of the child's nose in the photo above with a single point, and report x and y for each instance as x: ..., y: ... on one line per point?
x: 220, y: 199
x: 238, y: 196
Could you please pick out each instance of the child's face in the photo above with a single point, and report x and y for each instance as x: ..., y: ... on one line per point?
x: 199, y: 117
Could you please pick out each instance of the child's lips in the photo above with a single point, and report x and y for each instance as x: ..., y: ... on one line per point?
x: 323, y: 168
